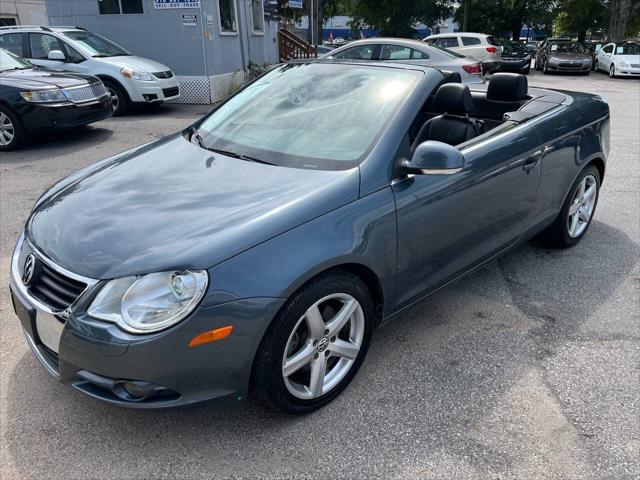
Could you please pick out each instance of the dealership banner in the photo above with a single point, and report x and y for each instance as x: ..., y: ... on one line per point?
x: 163, y: 4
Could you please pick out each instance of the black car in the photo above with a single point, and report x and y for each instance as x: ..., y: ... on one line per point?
x: 33, y: 100
x: 515, y: 58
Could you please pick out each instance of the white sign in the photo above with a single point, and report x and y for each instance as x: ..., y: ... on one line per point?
x: 294, y: 4
x: 190, y: 20
x: 166, y: 4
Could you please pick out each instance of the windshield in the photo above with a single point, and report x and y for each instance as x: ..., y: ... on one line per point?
x: 96, y: 45
x: 9, y: 61
x: 628, y: 49
x: 513, y: 47
x: 567, y: 48
x: 318, y: 115
x: 451, y: 53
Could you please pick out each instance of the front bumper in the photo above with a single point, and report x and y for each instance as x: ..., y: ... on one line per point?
x: 96, y: 357
x: 38, y: 118
x: 155, y: 91
x: 575, y: 68
x: 627, y: 71
x: 517, y: 66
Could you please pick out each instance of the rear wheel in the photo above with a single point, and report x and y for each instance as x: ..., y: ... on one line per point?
x: 612, y: 71
x: 11, y: 132
x: 315, y: 345
x: 526, y: 70
x: 577, y: 212
x: 119, y: 98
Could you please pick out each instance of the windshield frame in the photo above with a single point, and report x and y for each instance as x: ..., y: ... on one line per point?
x: 304, y: 162
x: 24, y: 64
x: 88, y: 49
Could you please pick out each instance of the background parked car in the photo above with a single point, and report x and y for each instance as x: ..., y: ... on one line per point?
x: 128, y: 78
x: 410, y: 51
x: 34, y: 100
x: 564, y: 56
x: 532, y: 47
x: 479, y: 46
x: 620, y: 59
x: 515, y: 58
x: 593, y: 48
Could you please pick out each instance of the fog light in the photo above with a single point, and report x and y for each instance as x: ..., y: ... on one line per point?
x: 133, y: 389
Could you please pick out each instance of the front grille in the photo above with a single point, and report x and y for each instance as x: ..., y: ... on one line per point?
x: 53, y: 288
x: 570, y: 65
x: 85, y: 94
x: 635, y: 65
x: 167, y: 74
x: 170, y: 92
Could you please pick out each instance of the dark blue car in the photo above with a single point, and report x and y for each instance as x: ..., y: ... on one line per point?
x: 260, y: 248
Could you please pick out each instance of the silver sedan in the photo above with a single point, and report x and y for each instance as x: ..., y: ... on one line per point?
x: 410, y: 51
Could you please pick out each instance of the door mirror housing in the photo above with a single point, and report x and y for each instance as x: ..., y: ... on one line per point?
x: 435, y: 158
x: 56, y: 55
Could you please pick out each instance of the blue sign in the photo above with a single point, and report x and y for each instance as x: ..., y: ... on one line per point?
x: 165, y: 4
x: 294, y: 4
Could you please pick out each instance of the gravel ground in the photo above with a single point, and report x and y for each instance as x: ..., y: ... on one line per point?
x: 526, y: 369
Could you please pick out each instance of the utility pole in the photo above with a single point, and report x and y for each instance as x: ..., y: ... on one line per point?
x: 466, y: 15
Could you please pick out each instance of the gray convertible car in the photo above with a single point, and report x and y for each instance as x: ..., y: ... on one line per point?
x: 259, y: 249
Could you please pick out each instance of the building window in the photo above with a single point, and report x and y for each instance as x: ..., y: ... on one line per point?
x: 257, y: 16
x: 115, y: 7
x: 228, y: 16
x: 7, y: 22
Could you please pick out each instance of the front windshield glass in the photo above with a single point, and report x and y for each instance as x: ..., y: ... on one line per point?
x: 96, y: 45
x: 567, y: 48
x: 9, y: 61
x: 628, y: 49
x: 513, y: 47
x: 311, y: 115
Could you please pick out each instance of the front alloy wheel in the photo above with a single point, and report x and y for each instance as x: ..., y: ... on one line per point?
x: 582, y: 206
x: 612, y: 71
x: 315, y: 344
x: 11, y: 132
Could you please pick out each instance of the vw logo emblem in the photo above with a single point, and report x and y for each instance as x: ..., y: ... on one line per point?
x: 28, y: 269
x: 323, y: 343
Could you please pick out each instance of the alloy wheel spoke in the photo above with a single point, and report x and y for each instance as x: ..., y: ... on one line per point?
x: 583, y: 215
x: 315, y: 322
x: 573, y: 209
x: 590, y: 192
x: 344, y: 349
x: 338, y: 322
x: 574, y: 224
x: 318, y: 371
x: 583, y: 186
x: 297, y: 361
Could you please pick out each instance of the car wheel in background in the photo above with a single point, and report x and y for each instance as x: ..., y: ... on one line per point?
x: 526, y: 70
x: 544, y: 68
x: 577, y: 212
x: 315, y: 344
x: 11, y: 131
x: 612, y: 71
x: 119, y: 98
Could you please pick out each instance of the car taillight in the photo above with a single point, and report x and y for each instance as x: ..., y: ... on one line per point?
x: 492, y: 49
x: 472, y: 69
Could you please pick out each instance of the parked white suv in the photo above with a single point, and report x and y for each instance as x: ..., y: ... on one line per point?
x: 128, y: 78
x: 478, y: 46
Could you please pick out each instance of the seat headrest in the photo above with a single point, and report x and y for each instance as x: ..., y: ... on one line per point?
x: 507, y: 87
x: 453, y: 98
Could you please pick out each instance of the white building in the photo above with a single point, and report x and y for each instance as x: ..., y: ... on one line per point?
x: 23, y: 12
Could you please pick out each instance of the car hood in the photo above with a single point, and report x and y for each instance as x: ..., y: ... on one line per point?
x: 635, y: 59
x: 135, y: 63
x: 570, y: 56
x: 36, y: 78
x: 172, y: 205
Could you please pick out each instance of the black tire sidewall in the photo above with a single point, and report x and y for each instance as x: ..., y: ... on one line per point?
x: 18, y: 131
x: 123, y: 98
x: 267, y: 374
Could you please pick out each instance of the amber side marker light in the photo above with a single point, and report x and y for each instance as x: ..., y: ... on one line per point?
x: 211, y: 336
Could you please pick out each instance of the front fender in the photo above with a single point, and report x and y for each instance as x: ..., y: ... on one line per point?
x: 362, y: 232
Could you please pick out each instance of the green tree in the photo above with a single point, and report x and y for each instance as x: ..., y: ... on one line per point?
x: 621, y: 13
x: 395, y: 18
x: 580, y: 16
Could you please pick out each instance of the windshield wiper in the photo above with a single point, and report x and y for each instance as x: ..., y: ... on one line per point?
x: 198, y: 140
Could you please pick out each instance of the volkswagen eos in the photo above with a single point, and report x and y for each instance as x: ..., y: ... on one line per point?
x: 259, y: 249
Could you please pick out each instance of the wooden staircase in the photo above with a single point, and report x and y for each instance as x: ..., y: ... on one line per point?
x: 292, y: 47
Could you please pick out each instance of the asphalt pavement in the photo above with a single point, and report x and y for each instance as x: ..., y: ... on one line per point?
x: 529, y: 368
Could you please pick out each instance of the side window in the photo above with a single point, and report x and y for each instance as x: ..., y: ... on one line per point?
x: 115, y: 7
x: 418, y: 55
x: 72, y: 54
x: 41, y: 44
x: 395, y: 52
x: 608, y: 49
x: 12, y: 42
x: 257, y: 16
x: 467, y: 41
x: 447, y: 42
x: 361, y: 52
x: 228, y: 14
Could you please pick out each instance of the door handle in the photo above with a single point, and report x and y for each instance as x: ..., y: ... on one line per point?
x: 530, y: 163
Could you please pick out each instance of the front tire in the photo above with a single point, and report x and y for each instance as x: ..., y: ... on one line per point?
x: 612, y: 71
x: 315, y: 344
x: 12, y: 134
x: 577, y: 211
x: 544, y: 68
x: 119, y: 98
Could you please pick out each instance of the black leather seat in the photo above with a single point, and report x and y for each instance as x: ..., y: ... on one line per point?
x: 454, y: 126
x: 506, y: 92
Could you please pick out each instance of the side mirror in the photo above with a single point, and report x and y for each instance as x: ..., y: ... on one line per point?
x: 56, y: 55
x: 435, y: 158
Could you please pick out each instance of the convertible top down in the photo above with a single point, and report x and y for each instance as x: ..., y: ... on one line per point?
x: 260, y: 247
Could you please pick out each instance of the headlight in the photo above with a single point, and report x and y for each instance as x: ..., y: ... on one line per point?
x: 151, y: 302
x: 623, y: 64
x: 132, y: 74
x: 53, y: 95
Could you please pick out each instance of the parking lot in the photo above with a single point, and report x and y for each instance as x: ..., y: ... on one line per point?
x: 527, y: 368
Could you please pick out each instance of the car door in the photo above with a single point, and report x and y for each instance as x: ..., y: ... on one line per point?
x: 447, y: 224
x: 38, y: 47
x: 604, y: 57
